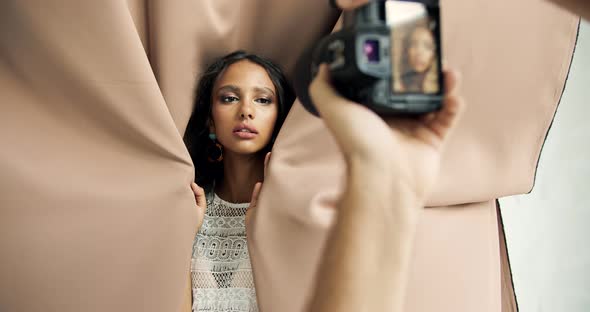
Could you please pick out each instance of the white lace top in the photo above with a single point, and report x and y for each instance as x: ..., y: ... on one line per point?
x: 221, y: 272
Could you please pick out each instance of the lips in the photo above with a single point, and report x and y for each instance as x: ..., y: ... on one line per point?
x: 244, y: 131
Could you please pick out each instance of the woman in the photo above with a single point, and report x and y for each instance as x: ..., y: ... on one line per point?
x: 241, y: 102
x: 418, y: 63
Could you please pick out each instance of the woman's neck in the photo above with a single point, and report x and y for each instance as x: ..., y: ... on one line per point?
x: 240, y: 174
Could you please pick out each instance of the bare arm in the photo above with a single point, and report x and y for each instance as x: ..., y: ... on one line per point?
x: 391, y: 167
x: 364, y: 267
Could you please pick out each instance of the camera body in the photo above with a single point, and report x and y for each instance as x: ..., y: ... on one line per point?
x: 383, y: 55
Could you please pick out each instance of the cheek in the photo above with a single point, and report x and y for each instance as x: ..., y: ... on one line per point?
x: 221, y: 119
x: 269, y: 120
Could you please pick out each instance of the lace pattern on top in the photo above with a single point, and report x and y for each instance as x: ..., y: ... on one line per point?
x: 221, y: 272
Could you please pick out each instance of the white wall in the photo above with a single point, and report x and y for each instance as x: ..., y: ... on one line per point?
x: 548, y: 231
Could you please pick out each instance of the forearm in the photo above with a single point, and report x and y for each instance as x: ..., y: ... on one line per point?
x: 365, y: 261
x: 578, y: 7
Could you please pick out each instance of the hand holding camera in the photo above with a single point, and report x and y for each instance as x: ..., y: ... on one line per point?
x: 392, y: 164
x: 378, y: 137
x: 387, y: 57
x: 406, y: 149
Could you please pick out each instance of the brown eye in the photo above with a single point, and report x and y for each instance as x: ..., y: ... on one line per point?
x: 229, y: 99
x: 264, y: 101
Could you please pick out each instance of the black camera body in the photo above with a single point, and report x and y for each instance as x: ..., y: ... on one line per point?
x: 367, y: 67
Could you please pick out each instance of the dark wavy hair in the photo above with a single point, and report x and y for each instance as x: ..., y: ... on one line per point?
x: 196, y: 136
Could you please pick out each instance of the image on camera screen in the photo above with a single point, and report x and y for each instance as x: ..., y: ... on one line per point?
x: 414, y: 48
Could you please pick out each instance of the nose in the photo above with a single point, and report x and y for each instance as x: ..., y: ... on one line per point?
x: 247, y: 111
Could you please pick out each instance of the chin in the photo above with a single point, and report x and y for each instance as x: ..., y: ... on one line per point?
x: 246, y: 149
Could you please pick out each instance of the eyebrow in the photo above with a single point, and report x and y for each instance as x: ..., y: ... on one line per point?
x: 229, y: 88
x: 264, y: 89
x: 234, y: 88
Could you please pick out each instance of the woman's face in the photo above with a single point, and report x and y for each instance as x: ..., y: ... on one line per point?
x: 421, y: 50
x: 244, y: 108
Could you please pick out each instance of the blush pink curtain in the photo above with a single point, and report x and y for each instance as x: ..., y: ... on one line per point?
x: 96, y: 213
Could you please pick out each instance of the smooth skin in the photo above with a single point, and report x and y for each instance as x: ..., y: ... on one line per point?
x: 392, y: 166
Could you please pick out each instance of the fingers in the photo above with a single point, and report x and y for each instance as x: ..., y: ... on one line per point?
x: 266, y: 162
x: 201, y: 201
x: 321, y: 91
x: 452, y: 81
x: 331, y: 106
x: 445, y: 120
x: 350, y: 4
x: 199, y: 195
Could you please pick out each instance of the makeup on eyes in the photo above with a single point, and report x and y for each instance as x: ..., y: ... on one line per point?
x: 228, y: 94
x: 264, y: 101
x: 236, y: 89
x: 228, y: 98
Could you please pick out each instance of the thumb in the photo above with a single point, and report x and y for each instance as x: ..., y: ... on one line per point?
x: 199, y: 195
x: 446, y: 119
x: 346, y: 120
x: 201, y: 201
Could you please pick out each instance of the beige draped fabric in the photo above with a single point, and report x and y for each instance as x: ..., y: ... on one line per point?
x: 514, y: 57
x: 96, y: 213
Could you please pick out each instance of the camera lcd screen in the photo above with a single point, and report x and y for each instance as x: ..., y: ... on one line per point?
x: 415, y: 47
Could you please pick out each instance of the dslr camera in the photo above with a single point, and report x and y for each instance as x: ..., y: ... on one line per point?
x: 387, y: 56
